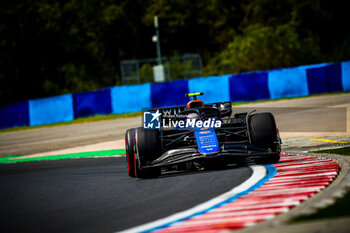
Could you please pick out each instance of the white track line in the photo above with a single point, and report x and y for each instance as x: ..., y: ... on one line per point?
x: 259, y: 172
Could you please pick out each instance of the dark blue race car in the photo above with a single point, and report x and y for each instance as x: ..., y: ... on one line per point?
x: 200, y: 136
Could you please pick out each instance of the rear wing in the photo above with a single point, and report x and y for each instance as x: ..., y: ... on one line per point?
x: 170, y: 113
x: 224, y: 107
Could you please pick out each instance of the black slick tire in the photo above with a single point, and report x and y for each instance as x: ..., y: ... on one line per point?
x: 130, y: 154
x: 263, y: 133
x: 146, y: 148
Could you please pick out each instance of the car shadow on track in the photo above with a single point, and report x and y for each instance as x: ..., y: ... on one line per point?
x: 185, y: 172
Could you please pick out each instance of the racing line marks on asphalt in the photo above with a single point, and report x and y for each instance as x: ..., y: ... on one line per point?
x: 298, y: 177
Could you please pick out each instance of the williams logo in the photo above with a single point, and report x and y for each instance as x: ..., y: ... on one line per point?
x: 151, y: 120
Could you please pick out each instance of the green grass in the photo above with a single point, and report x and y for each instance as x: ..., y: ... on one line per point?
x: 338, y: 151
x: 341, y: 208
x: 90, y: 154
x: 76, y: 121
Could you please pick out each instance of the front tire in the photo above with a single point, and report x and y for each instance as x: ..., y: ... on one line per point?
x: 263, y: 133
x: 147, y: 148
x: 263, y: 130
x: 130, y: 154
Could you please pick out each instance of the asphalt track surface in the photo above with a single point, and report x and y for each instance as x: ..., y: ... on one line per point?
x: 96, y: 195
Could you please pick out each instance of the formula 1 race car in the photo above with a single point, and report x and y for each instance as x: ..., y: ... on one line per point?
x: 200, y: 136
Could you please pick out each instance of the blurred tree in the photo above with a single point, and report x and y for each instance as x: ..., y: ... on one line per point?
x: 199, y: 26
x: 321, y: 19
x: 146, y: 73
x: 54, y: 47
x: 265, y: 47
x: 51, y: 47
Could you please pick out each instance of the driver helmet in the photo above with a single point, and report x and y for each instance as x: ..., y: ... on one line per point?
x: 191, y: 116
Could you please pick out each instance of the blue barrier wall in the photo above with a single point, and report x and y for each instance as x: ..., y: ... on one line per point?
x: 272, y: 84
x: 169, y: 93
x: 324, y: 79
x: 290, y: 82
x: 92, y: 103
x: 334, y: 78
x: 249, y: 86
x: 317, y: 80
x: 345, y: 71
x: 130, y: 98
x: 215, y: 88
x: 14, y: 115
x: 51, y: 110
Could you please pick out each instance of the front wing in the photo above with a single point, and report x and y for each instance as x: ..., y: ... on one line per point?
x: 227, y: 154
